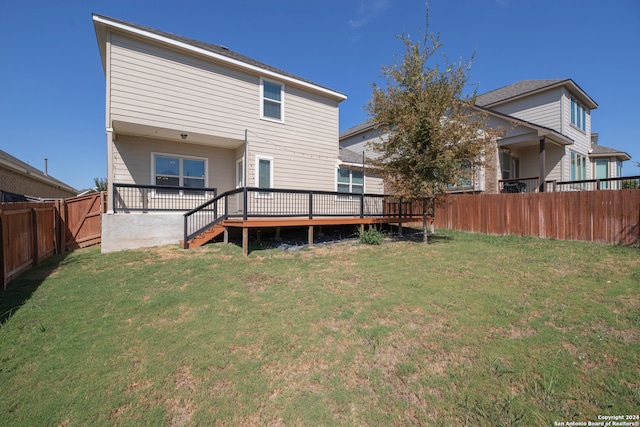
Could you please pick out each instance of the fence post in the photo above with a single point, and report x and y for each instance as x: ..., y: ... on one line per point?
x: 63, y: 227
x: 56, y: 225
x: 34, y: 240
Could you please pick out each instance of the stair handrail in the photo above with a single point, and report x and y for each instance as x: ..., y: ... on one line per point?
x: 217, y: 219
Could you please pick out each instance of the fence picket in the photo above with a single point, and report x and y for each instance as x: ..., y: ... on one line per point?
x: 606, y: 216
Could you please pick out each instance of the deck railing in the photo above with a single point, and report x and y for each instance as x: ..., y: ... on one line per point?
x: 147, y: 198
x: 251, y: 202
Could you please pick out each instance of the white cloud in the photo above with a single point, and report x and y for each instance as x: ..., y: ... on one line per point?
x: 367, y: 11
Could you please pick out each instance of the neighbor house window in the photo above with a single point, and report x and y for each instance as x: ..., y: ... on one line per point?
x: 272, y: 100
x: 578, y: 115
x: 508, y: 166
x: 177, y: 171
x: 264, y: 174
x: 578, y: 167
x: 350, y: 181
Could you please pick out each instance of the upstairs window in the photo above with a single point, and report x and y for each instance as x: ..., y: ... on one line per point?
x: 350, y: 181
x: 578, y: 115
x: 272, y: 101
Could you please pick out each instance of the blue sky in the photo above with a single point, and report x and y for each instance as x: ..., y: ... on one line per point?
x: 52, y: 84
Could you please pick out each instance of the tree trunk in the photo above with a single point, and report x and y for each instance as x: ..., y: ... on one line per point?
x: 425, y: 235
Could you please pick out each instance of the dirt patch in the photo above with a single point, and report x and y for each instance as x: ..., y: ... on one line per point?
x: 181, y: 411
x: 184, y: 380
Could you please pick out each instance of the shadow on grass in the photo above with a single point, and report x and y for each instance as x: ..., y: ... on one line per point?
x: 296, y: 238
x: 415, y: 235
x: 21, y: 288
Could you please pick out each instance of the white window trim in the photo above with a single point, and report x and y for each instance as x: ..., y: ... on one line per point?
x: 583, y: 117
x: 340, y: 198
x: 262, y: 116
x: 579, y: 165
x: 256, y: 176
x: 240, y: 175
x: 181, y: 157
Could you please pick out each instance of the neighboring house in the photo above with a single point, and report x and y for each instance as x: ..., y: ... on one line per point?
x: 549, y: 137
x: 184, y: 113
x: 606, y: 162
x: 21, y: 181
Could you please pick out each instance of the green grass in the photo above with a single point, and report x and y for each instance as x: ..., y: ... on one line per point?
x: 470, y: 330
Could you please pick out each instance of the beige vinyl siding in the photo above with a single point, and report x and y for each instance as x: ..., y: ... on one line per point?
x: 162, y: 87
x: 542, y: 109
x: 373, y: 184
x: 362, y: 142
x: 529, y: 162
x: 133, y: 161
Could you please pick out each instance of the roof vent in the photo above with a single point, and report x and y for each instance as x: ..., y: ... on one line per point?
x: 224, y: 47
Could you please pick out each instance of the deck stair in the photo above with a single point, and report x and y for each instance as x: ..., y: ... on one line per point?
x: 204, y: 237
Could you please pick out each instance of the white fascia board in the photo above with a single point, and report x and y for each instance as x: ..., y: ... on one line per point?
x: 341, y: 163
x: 218, y: 57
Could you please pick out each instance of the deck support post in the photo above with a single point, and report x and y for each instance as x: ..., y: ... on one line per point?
x: 278, y: 238
x: 320, y: 233
x: 310, y: 236
x: 225, y: 236
x: 245, y: 241
x: 400, y: 229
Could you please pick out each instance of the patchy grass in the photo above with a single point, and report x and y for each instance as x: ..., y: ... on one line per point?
x: 470, y: 330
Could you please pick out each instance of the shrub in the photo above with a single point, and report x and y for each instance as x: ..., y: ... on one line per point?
x: 371, y: 237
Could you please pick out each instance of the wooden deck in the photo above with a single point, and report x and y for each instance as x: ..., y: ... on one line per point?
x: 277, y: 223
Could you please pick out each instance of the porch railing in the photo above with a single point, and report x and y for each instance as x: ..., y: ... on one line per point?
x: 531, y: 185
x: 618, y: 183
x: 519, y: 185
x: 147, y: 198
x: 251, y: 202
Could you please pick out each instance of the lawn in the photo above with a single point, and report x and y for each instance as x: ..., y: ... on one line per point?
x: 470, y: 330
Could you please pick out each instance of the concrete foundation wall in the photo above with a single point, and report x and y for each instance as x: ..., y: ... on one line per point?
x: 130, y: 231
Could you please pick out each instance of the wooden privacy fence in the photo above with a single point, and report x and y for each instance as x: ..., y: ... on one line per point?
x: 611, y: 216
x: 33, y: 231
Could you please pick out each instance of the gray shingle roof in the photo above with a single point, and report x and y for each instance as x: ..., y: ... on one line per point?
x: 356, y: 129
x: 220, y: 50
x: 514, y: 90
x: 349, y: 156
x: 33, y: 172
x: 602, y: 151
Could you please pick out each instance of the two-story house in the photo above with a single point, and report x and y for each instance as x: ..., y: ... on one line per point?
x: 549, y: 138
x: 186, y: 120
